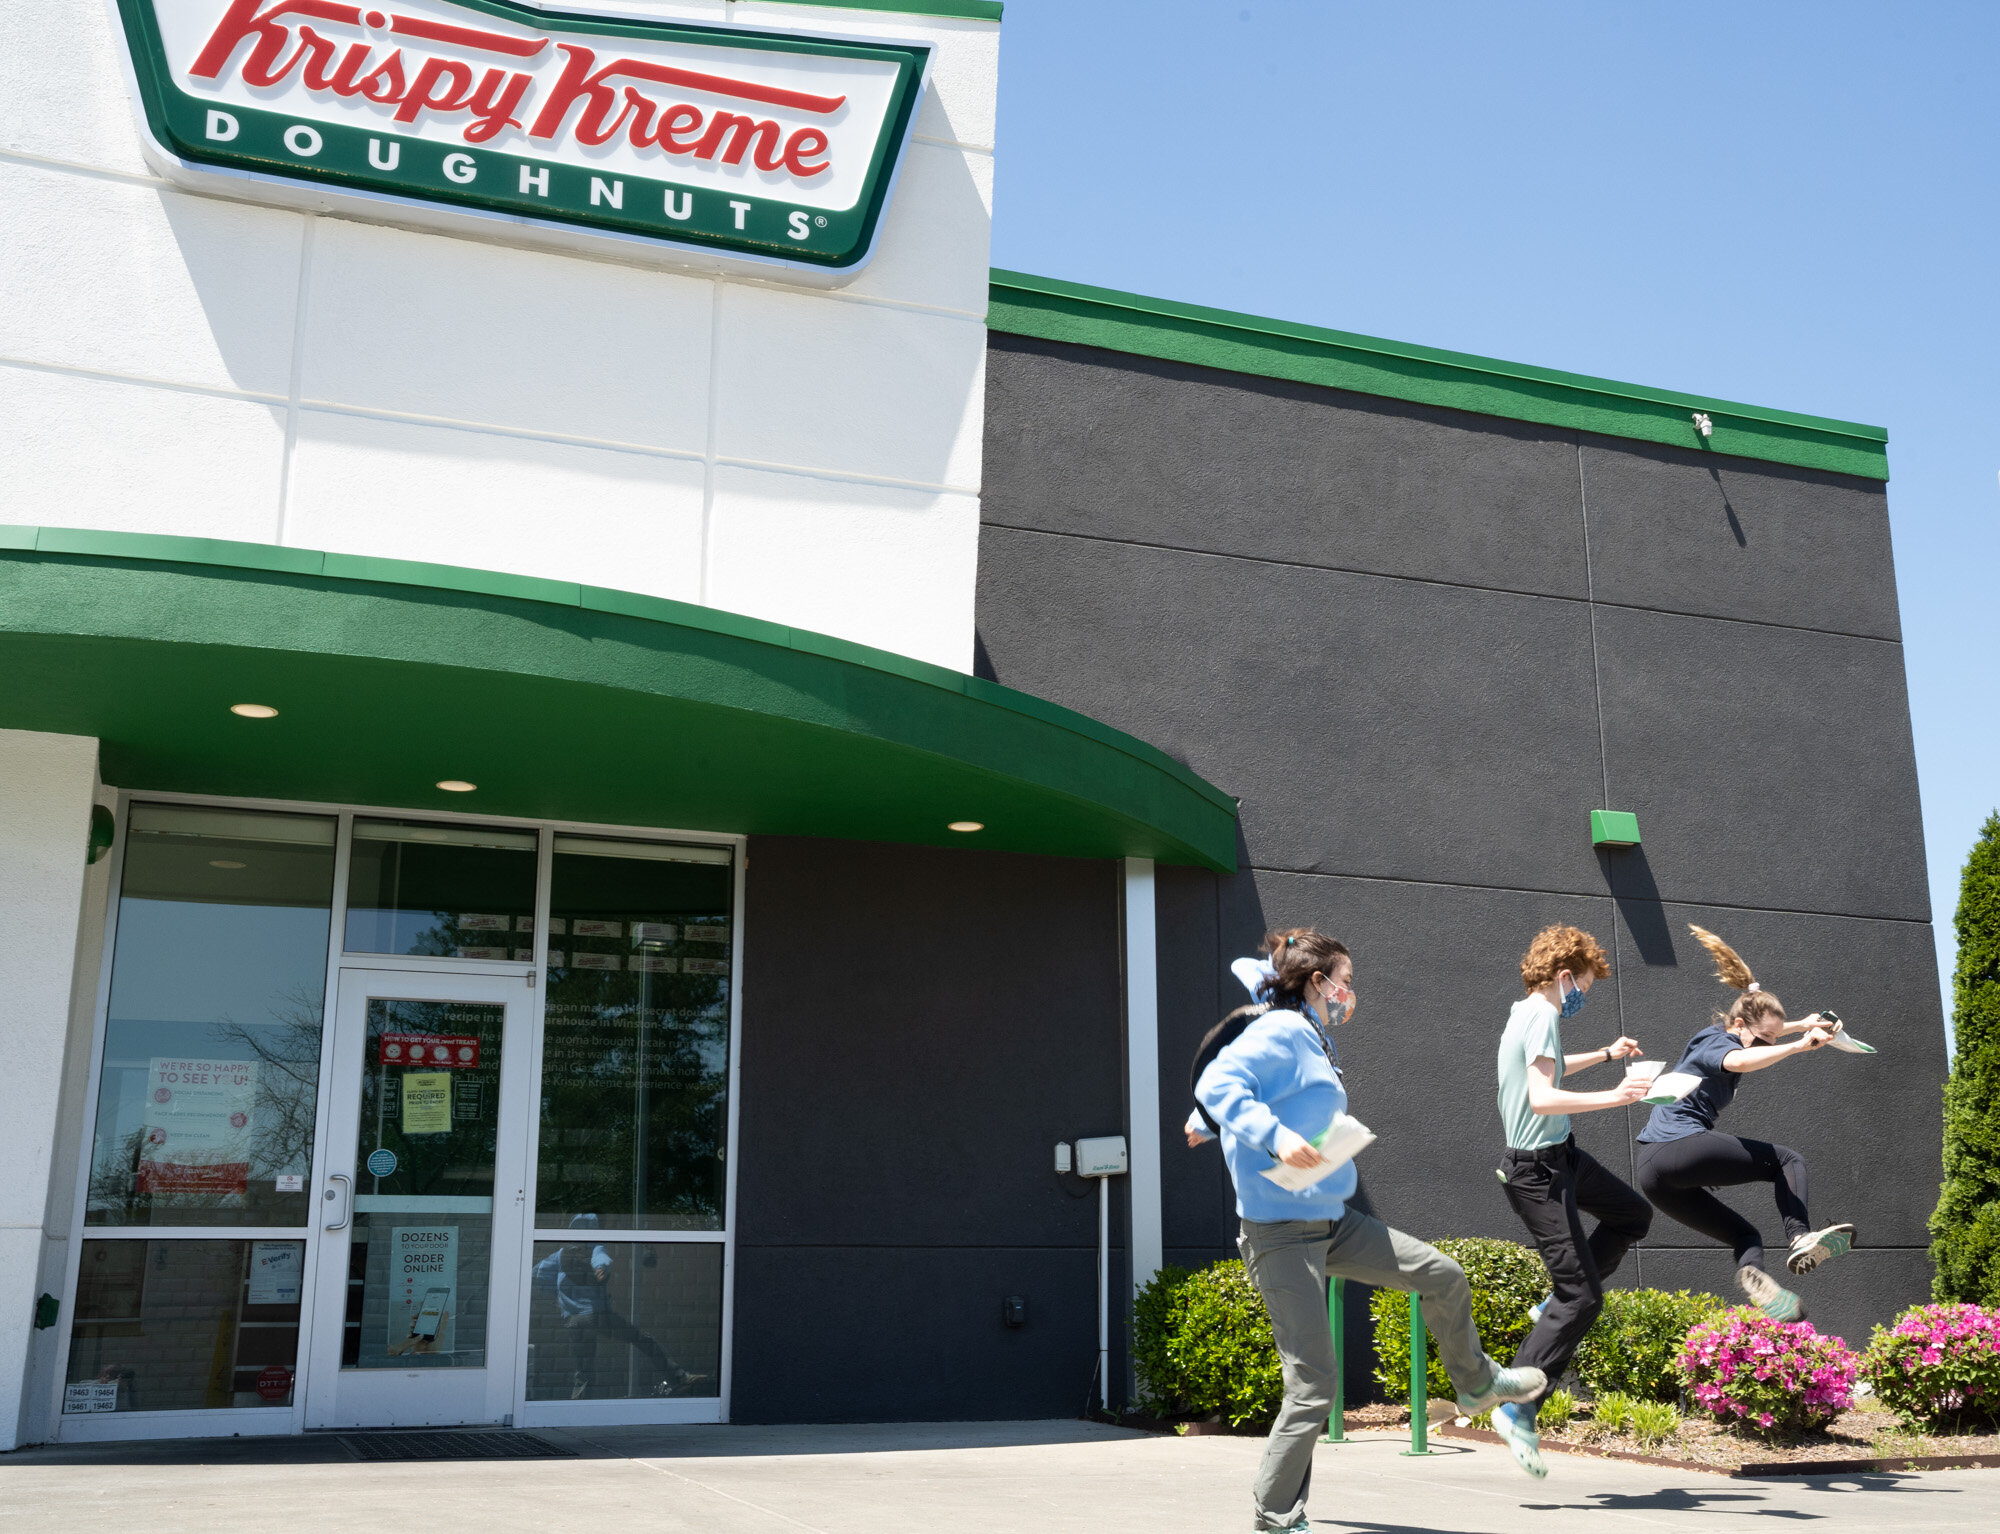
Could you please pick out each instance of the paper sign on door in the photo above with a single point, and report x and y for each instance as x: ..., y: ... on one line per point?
x: 423, y: 1285
x: 427, y: 1103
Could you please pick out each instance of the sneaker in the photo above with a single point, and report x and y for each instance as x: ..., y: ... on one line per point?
x: 1769, y: 1296
x: 1535, y: 1310
x: 1516, y: 1427
x: 1300, y: 1525
x: 1815, y: 1246
x: 1506, y: 1385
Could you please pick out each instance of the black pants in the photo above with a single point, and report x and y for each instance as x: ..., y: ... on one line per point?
x: 1551, y: 1190
x: 1677, y: 1174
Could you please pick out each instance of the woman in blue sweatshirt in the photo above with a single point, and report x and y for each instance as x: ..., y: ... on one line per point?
x: 1273, y: 1092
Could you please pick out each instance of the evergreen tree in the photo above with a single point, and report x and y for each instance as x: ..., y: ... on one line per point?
x: 1965, y: 1227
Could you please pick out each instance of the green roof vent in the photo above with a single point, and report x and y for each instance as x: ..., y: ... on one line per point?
x: 1614, y: 828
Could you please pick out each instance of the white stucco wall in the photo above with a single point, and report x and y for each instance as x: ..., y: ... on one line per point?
x: 175, y: 363
x: 47, y: 784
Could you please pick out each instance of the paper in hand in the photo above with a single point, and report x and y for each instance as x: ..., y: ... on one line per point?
x: 1840, y: 1039
x: 1671, y: 1088
x: 1345, y: 1138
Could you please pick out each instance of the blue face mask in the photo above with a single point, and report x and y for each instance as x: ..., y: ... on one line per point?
x: 1572, y: 1000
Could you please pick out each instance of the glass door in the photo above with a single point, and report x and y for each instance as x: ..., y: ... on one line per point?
x: 422, y: 1207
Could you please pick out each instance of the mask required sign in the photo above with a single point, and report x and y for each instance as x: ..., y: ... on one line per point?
x: 760, y: 145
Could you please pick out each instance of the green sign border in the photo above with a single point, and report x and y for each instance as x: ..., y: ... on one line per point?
x: 838, y: 241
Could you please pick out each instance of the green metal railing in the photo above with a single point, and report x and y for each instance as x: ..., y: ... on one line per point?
x: 1336, y: 1427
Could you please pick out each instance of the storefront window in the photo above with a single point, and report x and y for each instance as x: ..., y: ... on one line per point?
x: 463, y: 892
x: 617, y: 1320
x: 421, y: 1258
x: 184, y: 1325
x: 635, y: 1054
x: 211, y: 1050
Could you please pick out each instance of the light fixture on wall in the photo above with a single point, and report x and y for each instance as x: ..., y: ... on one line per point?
x: 966, y: 825
x: 253, y: 710
x: 1616, y: 829
x: 456, y: 785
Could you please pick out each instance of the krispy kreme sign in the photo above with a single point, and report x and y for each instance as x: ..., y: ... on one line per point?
x: 768, y: 145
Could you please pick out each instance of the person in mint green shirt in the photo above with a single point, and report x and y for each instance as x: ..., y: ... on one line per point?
x: 1551, y: 1182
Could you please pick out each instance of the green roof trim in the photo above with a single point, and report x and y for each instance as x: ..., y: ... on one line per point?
x: 1243, y: 343
x: 955, y: 10
x: 561, y: 701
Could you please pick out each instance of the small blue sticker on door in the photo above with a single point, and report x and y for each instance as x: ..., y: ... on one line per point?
x: 382, y: 1163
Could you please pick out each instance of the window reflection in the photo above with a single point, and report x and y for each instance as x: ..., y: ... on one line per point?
x: 623, y: 1319
x: 465, y: 892
x: 635, y: 1055
x: 211, y: 1051
x: 184, y: 1325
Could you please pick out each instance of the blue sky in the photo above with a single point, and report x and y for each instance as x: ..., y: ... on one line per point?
x: 1786, y: 204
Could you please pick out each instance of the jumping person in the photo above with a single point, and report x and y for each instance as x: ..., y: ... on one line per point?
x: 1550, y: 1181
x: 1682, y: 1156
x: 1270, y: 1091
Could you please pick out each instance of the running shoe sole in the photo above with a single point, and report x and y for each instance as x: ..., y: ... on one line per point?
x: 1524, y: 1443
x: 1817, y: 1246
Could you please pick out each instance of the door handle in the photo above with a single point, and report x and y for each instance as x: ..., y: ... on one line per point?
x: 347, y: 1201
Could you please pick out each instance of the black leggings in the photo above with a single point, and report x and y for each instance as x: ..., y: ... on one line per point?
x: 1677, y: 1174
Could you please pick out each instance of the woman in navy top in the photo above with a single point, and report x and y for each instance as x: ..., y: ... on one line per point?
x: 1682, y: 1155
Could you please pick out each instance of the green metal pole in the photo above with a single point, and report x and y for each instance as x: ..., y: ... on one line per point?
x: 1336, y: 1425
x: 1420, y: 1369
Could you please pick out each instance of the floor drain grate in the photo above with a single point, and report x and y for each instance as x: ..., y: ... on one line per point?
x: 433, y: 1445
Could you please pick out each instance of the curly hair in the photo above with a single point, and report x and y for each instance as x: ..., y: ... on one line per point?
x: 1296, y: 953
x: 1755, y: 1003
x: 1560, y: 948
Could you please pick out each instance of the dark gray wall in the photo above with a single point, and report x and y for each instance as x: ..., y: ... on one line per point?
x: 920, y: 1027
x: 1421, y: 646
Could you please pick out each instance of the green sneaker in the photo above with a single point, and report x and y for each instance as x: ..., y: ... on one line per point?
x: 1816, y: 1246
x: 1769, y: 1296
x: 1516, y: 1427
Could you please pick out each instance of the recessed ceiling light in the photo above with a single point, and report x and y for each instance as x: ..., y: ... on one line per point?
x: 225, y: 863
x: 966, y: 825
x: 456, y: 786
x: 253, y: 710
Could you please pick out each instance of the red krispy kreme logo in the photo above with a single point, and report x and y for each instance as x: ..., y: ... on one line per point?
x: 460, y: 72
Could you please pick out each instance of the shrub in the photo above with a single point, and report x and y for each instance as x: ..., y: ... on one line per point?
x: 1633, y: 1344
x: 1506, y: 1277
x: 1938, y: 1365
x: 1654, y: 1422
x: 1965, y: 1227
x: 1556, y: 1411
x: 1202, y: 1344
x: 1611, y: 1410
x: 1766, y: 1375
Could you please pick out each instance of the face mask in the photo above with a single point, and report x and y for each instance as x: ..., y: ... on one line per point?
x: 1572, y: 1000
x: 1334, y: 1010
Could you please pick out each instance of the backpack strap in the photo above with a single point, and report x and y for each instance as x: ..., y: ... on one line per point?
x: 1213, y: 1043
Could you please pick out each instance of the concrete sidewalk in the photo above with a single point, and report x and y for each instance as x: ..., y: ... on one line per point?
x: 978, y: 1478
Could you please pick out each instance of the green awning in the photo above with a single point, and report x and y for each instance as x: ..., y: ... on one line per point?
x: 559, y: 701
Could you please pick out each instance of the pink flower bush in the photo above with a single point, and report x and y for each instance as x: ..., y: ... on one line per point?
x: 1938, y: 1364
x: 1742, y: 1367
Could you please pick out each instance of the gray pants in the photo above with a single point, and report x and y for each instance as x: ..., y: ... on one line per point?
x: 1288, y: 1261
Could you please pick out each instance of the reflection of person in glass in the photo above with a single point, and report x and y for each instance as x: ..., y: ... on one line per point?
x: 578, y: 1274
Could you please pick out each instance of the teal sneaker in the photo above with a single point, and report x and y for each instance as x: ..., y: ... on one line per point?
x: 1771, y: 1297
x: 1816, y: 1246
x: 1516, y: 1427
x: 1506, y: 1385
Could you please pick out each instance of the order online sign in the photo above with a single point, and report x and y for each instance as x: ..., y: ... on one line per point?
x: 771, y: 146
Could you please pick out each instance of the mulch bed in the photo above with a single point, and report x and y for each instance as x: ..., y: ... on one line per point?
x: 1867, y: 1440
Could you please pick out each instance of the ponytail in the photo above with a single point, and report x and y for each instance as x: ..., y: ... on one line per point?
x: 1755, y: 1002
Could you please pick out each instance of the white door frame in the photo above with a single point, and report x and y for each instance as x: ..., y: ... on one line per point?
x: 436, y: 1397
